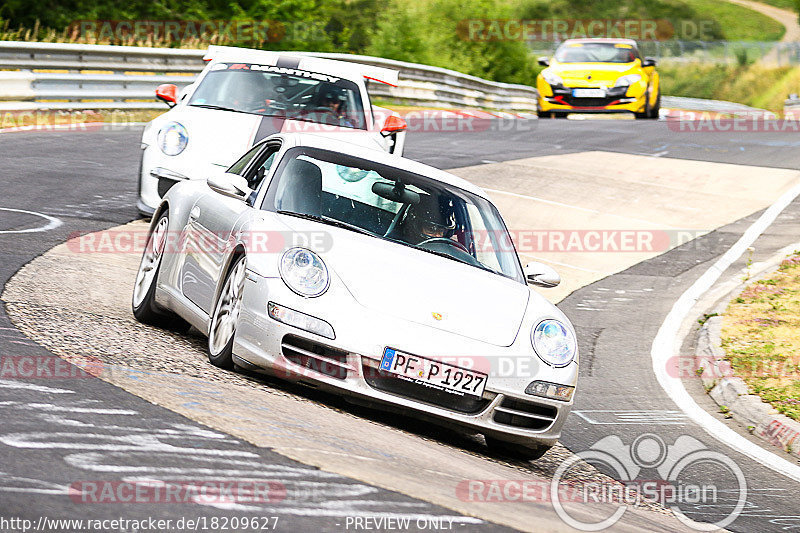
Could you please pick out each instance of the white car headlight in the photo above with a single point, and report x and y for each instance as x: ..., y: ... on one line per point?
x: 551, y: 78
x: 172, y: 138
x: 304, y: 272
x: 625, y: 81
x: 553, y: 342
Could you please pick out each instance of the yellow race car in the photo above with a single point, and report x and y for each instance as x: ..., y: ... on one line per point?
x: 598, y: 76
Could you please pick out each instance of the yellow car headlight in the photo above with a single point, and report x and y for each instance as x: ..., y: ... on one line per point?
x: 551, y: 78
x: 625, y: 81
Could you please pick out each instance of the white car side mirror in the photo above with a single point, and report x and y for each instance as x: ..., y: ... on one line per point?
x: 541, y: 275
x: 231, y: 185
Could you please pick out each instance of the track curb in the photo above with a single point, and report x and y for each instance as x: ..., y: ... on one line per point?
x: 730, y: 392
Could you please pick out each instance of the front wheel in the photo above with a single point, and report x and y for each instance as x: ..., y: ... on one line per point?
x: 225, y: 316
x: 655, y: 111
x: 516, y: 451
x: 143, y: 301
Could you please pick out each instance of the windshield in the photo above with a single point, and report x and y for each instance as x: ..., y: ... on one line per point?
x: 393, y: 204
x: 281, y: 92
x: 595, y: 53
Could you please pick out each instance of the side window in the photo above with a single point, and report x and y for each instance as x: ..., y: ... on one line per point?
x: 256, y: 174
x: 241, y: 164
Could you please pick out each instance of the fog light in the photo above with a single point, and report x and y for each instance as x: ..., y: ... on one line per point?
x: 550, y: 390
x: 300, y: 320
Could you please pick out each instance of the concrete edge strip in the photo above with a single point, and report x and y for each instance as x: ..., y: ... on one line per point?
x: 665, y: 346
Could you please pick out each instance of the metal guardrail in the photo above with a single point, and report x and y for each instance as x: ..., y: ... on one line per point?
x: 125, y: 77
x: 699, y: 104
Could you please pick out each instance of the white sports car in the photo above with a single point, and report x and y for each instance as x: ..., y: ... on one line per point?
x: 242, y: 96
x: 368, y: 275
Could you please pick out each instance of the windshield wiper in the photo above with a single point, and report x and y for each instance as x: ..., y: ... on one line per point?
x: 476, y: 264
x: 329, y: 221
x: 218, y: 107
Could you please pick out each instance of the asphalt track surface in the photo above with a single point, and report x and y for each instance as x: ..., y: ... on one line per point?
x: 84, y: 179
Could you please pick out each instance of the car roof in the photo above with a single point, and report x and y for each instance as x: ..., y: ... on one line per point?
x: 303, y: 61
x: 379, y: 156
x: 601, y: 40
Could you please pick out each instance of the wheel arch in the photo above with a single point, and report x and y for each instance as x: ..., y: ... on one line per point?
x: 238, y: 251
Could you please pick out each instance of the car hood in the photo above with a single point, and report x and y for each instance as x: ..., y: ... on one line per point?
x: 599, y: 72
x: 221, y: 137
x: 423, y: 288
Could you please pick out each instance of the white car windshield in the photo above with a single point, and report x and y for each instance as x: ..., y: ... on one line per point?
x: 281, y: 92
x: 393, y: 204
x: 595, y: 53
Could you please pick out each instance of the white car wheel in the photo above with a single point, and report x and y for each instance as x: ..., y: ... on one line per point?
x: 225, y: 316
x: 143, y: 302
x: 151, y: 260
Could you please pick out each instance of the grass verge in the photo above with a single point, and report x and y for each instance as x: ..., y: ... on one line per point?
x: 738, y: 23
x: 761, y: 337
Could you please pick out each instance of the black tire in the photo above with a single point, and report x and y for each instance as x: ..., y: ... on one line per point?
x: 222, y: 355
x: 655, y: 111
x: 143, y: 300
x: 646, y: 113
x: 514, y: 450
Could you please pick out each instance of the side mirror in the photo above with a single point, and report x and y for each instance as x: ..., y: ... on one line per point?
x: 649, y: 62
x: 167, y: 93
x: 393, y: 124
x: 230, y: 185
x: 544, y: 61
x: 541, y: 275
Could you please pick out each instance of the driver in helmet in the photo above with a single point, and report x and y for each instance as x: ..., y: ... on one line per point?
x: 431, y: 218
x: 335, y: 99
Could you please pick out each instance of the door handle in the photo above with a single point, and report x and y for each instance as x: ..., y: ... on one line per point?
x: 194, y: 214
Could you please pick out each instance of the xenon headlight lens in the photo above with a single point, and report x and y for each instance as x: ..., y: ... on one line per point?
x: 552, y: 79
x: 173, y: 138
x: 625, y: 81
x: 553, y: 342
x: 304, y: 272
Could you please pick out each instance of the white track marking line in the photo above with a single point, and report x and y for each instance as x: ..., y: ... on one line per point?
x: 52, y: 223
x: 665, y: 346
x: 576, y: 207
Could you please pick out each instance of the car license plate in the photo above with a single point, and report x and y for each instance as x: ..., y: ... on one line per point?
x: 435, y: 374
x: 589, y: 93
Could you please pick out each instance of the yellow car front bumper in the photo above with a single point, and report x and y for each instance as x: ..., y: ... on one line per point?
x: 616, y: 100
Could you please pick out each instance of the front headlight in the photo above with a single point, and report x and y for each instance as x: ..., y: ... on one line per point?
x: 553, y: 342
x: 551, y: 78
x: 304, y: 272
x: 173, y: 138
x: 625, y: 81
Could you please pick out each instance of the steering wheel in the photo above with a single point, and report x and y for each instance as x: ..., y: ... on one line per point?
x: 445, y: 240
x: 324, y: 111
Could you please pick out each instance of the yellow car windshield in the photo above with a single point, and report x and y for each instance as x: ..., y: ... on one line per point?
x: 595, y: 53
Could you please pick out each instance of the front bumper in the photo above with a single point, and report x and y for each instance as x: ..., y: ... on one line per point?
x: 615, y: 101
x: 349, y: 366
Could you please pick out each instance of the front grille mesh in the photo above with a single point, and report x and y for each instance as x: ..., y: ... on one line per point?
x: 527, y: 415
x: 315, y: 356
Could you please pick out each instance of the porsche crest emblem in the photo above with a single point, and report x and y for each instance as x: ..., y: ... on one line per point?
x: 437, y: 316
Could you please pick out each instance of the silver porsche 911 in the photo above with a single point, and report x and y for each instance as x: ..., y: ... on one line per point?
x: 367, y: 275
